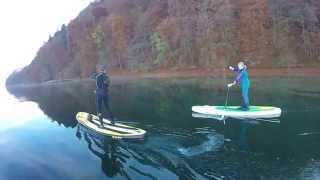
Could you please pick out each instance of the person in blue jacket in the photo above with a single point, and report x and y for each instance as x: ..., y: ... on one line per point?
x: 243, y: 79
x: 102, y: 94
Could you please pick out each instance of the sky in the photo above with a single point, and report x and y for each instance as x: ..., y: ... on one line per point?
x: 27, y: 25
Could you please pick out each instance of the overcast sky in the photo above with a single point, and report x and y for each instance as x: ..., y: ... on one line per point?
x: 26, y: 26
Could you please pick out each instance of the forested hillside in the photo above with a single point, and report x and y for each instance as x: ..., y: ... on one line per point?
x: 146, y: 35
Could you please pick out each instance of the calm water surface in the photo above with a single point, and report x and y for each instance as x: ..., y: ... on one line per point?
x: 40, y: 138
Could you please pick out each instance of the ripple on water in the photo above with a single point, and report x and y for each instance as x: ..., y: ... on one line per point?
x: 213, y: 143
x: 311, y: 171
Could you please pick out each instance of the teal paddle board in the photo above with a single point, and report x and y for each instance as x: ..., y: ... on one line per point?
x: 234, y: 111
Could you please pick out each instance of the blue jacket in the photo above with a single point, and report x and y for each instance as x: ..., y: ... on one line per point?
x: 243, y: 76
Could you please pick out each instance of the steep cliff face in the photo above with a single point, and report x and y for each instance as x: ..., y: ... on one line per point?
x: 151, y: 34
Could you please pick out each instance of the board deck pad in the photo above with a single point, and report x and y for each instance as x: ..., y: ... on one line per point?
x: 109, y: 129
x: 251, y: 109
x: 234, y: 111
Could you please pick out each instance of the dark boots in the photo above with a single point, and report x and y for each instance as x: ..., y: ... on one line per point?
x: 100, y: 119
x: 244, y: 108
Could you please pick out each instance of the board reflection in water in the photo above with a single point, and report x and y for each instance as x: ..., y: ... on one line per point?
x: 181, y: 146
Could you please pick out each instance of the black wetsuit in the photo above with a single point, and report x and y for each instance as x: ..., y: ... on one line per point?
x: 102, y: 94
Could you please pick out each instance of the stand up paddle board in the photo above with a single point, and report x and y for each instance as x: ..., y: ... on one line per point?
x: 114, y: 130
x: 234, y: 111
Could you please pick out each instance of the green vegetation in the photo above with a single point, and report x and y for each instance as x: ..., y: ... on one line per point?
x: 98, y: 37
x: 159, y: 48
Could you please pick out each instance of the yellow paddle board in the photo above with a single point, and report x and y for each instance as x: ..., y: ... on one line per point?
x: 115, y: 130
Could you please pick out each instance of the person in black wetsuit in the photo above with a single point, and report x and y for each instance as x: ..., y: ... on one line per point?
x: 102, y: 94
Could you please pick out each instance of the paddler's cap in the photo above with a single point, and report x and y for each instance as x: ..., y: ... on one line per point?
x: 241, y: 65
x: 102, y: 67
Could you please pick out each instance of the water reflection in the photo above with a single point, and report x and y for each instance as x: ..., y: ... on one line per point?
x: 179, y: 146
x: 156, y: 158
x: 105, y: 149
x: 59, y: 102
x: 15, y: 113
x: 224, y: 118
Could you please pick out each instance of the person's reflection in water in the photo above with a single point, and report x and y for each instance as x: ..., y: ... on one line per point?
x: 78, y: 133
x: 243, y: 137
x: 244, y: 149
x: 106, y: 150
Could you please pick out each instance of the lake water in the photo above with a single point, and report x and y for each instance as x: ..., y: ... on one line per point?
x: 40, y: 138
